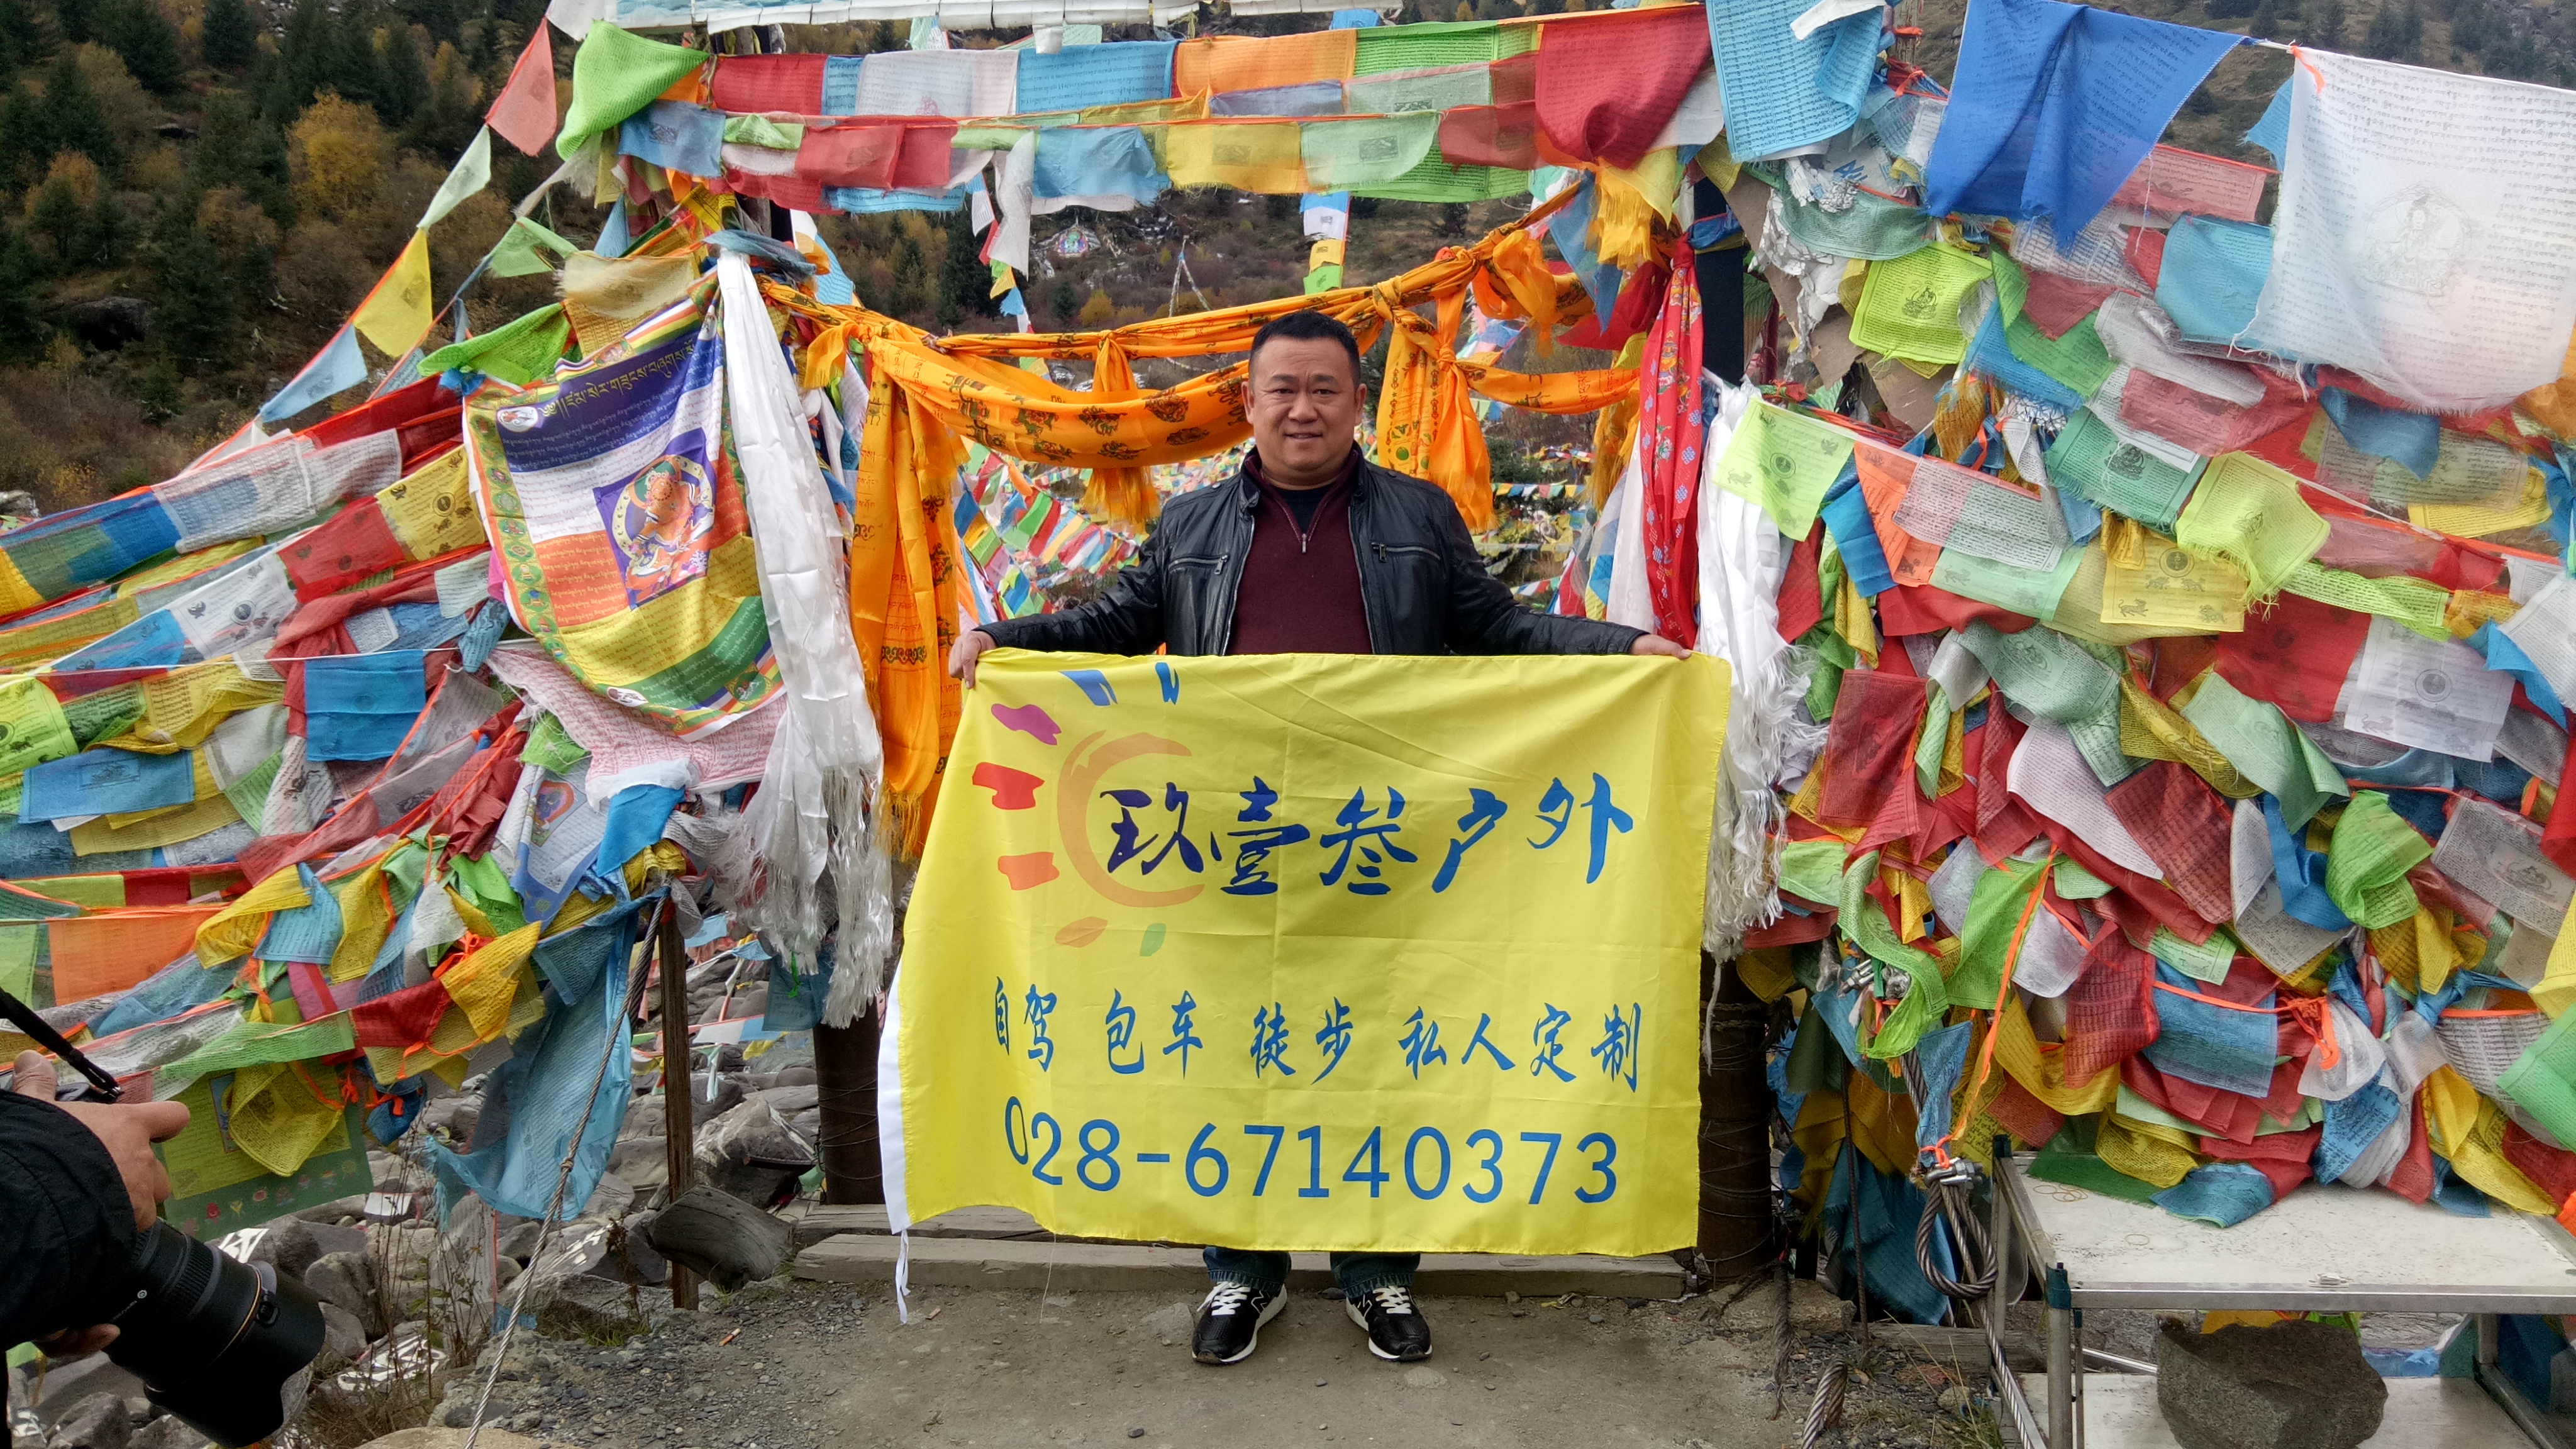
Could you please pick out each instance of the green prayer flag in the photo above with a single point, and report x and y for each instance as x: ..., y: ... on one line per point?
x: 254, y: 1043
x: 471, y: 173
x: 2265, y: 747
x: 2367, y: 860
x: 2250, y: 513
x: 519, y: 253
x: 615, y: 74
x: 1812, y: 870
x: 1986, y: 939
x: 1785, y: 462
x: 517, y: 354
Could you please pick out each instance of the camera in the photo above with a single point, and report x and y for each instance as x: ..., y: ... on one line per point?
x: 226, y: 1346
x: 223, y: 1345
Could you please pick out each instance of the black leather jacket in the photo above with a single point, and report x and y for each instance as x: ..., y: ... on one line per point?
x: 1423, y: 587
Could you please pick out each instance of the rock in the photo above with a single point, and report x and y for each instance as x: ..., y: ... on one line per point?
x: 610, y: 1199
x: 2297, y: 1385
x: 349, y: 1280
x: 453, y: 1117
x: 168, y: 1432
x: 751, y: 1155
x: 790, y: 1100
x: 644, y: 1118
x: 1956, y: 1397
x: 796, y: 1076
x: 1173, y: 1322
x: 343, y: 1339
x: 519, y: 1239
x: 331, y: 1212
x: 97, y: 1422
x: 597, y: 1310
x: 109, y: 322
x: 294, y: 1244
x: 643, y: 1162
x: 721, y: 1236
x: 705, y: 1109
x: 437, y: 1438
x: 631, y: 1254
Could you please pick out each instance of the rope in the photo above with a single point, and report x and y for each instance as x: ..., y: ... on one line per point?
x: 1974, y: 1252
x: 617, y: 1042
x: 1825, y: 1412
x: 1780, y: 1342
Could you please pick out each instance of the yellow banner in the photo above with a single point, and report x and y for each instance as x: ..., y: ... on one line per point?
x: 1314, y: 952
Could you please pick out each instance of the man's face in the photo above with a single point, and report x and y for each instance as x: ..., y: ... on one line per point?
x: 1305, y: 404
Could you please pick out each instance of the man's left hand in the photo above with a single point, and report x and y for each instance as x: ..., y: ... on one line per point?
x: 1657, y: 646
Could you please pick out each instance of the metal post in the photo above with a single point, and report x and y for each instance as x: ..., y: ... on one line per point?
x: 2007, y: 1264
x: 2061, y: 1361
x: 1737, y: 1228
x: 679, y: 1140
x: 845, y: 1076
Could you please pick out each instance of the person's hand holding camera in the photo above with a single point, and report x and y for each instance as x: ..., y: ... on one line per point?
x: 128, y: 1131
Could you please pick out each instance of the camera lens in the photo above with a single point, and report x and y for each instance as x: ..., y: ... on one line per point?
x: 217, y: 1342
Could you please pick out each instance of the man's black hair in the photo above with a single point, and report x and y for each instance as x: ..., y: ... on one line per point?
x: 1309, y: 327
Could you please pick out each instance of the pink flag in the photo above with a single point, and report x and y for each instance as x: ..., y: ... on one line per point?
x: 525, y: 112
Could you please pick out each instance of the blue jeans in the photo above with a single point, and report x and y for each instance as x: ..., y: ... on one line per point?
x: 1357, y: 1273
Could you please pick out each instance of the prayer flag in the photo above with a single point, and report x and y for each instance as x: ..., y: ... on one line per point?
x: 524, y: 112
x: 397, y: 313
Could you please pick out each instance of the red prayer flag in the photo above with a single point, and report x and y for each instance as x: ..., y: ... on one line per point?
x: 1504, y: 136
x: 2296, y: 656
x: 524, y: 112
x: 1606, y: 87
x: 1869, y: 751
x: 769, y: 84
x: 2183, y: 824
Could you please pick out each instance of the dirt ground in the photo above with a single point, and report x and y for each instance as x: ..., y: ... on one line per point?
x: 809, y: 1366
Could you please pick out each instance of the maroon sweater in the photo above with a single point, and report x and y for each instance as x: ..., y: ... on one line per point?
x: 1301, y: 585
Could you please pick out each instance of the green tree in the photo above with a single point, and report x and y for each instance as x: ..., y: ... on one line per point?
x: 401, y: 76
x: 105, y: 232
x: 2327, y: 22
x: 964, y: 280
x: 73, y: 119
x: 22, y: 36
x: 77, y: 19
x: 22, y: 325
x: 237, y: 147
x: 2396, y: 32
x: 196, y: 307
x: 298, y: 72
x: 231, y: 37
x: 57, y: 215
x: 146, y: 42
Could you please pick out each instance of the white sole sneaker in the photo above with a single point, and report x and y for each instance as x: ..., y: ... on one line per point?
x: 1352, y: 1308
x: 1271, y: 1310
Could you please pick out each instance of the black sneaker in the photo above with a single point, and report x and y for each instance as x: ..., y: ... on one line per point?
x: 1230, y: 1320
x: 1396, y: 1331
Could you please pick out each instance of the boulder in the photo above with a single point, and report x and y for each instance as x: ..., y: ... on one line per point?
x: 597, y: 1310
x: 643, y: 1162
x: 109, y: 323
x: 349, y: 1280
x: 721, y: 1236
x: 631, y: 1256
x: 294, y: 1244
x: 2296, y: 1385
x: 644, y: 1118
x: 96, y: 1422
x: 168, y: 1432
x: 611, y: 1198
x: 343, y: 1339
x: 796, y: 1077
x: 752, y: 1155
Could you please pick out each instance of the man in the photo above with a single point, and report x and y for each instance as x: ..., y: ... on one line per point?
x: 1311, y: 550
x: 78, y: 1181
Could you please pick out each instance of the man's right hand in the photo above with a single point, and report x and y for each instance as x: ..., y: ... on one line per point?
x: 970, y: 647
x: 128, y: 1131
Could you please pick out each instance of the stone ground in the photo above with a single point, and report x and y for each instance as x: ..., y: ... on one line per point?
x: 804, y: 1366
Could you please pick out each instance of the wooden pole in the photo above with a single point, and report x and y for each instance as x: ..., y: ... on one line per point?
x: 845, y: 1071
x: 1736, y: 1227
x: 679, y: 1141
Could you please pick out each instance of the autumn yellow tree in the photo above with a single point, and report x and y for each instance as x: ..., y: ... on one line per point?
x: 339, y: 155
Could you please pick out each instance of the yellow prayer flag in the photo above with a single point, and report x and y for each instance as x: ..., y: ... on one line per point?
x: 397, y: 313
